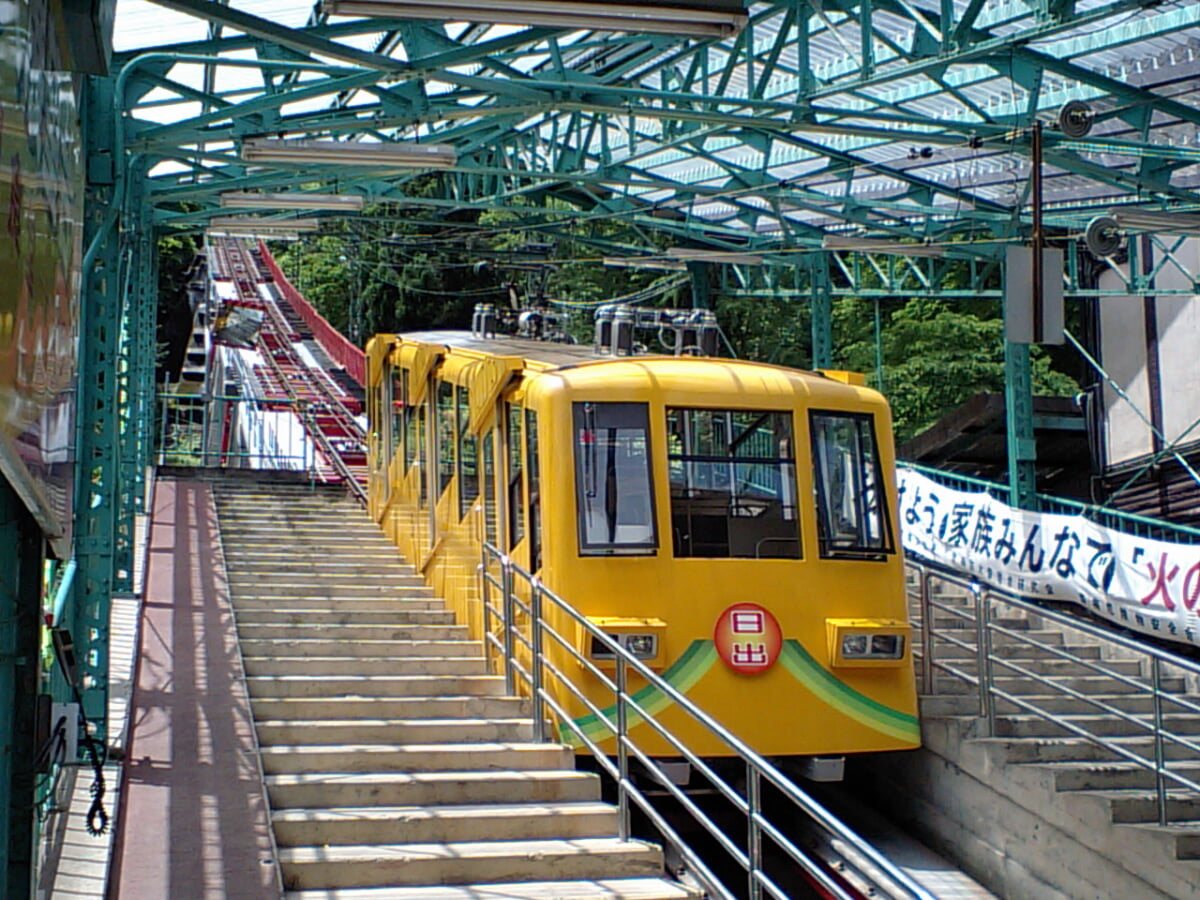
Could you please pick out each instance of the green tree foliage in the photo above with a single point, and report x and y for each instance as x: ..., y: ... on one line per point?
x: 176, y: 254
x: 933, y: 355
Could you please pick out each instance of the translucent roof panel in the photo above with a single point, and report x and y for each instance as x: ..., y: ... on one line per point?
x: 808, y: 116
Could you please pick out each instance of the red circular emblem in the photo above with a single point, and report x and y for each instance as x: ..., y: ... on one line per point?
x: 748, y: 638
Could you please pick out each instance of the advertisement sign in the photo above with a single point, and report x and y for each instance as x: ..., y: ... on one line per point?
x: 1145, y: 585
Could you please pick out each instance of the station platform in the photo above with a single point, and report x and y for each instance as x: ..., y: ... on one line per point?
x: 193, y: 816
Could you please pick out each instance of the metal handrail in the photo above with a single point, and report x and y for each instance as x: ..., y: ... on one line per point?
x: 500, y: 575
x: 982, y: 611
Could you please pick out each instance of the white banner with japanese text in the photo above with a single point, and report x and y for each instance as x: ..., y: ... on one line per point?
x: 1146, y: 585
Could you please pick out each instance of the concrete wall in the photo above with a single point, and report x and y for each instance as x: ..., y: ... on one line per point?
x: 1124, y: 353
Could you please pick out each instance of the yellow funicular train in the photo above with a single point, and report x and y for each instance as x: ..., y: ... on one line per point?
x: 732, y: 523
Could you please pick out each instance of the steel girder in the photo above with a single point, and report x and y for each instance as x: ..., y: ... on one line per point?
x: 906, y: 120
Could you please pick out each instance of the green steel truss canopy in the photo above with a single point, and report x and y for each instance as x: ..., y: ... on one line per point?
x: 904, y: 120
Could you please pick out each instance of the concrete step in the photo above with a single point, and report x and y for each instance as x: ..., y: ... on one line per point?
x: 432, y: 824
x: 364, y: 758
x: 342, y: 708
x: 405, y: 600
x: 1140, y: 806
x: 309, y: 545
x: 1022, y: 651
x: 1091, y: 776
x: 1035, y: 726
x: 323, y: 789
x: 374, y: 554
x: 283, y: 533
x: 336, y: 666
x: 1185, y: 836
x: 1051, y: 668
x: 308, y: 868
x: 398, y: 614
x: 358, y: 568
x: 392, y: 731
x: 281, y: 648
x: 298, y: 587
x: 1084, y: 684
x: 602, y: 889
x: 1064, y: 749
x: 351, y: 631
x: 946, y: 622
x: 384, y: 686
x: 964, y: 704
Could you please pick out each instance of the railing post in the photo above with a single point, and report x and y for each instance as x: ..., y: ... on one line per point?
x: 1160, y: 755
x: 485, y: 593
x: 753, y: 834
x: 983, y: 652
x: 926, y: 632
x: 506, y: 582
x: 539, y: 707
x: 622, y: 752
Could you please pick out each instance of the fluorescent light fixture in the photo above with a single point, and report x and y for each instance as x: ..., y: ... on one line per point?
x: 721, y: 256
x: 350, y: 153
x: 716, y: 18
x: 635, y: 262
x: 292, y: 200
x: 284, y: 236
x: 880, y: 245
x: 1156, y: 220
x: 249, y: 223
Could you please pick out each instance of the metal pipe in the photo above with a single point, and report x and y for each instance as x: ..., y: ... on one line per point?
x: 622, y: 752
x: 535, y: 625
x: 926, y: 633
x: 506, y: 575
x: 1160, y: 783
x: 1039, y: 238
x: 753, y: 834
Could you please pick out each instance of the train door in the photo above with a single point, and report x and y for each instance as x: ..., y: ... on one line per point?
x: 514, y: 474
x: 533, y: 507
x: 466, y: 455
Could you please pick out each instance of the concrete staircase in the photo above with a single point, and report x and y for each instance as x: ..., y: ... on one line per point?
x: 1034, y: 811
x: 395, y: 765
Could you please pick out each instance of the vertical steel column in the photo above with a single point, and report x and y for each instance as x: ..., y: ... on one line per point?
x: 701, y: 292
x: 133, y: 425
x: 21, y: 555
x: 1020, y: 441
x: 145, y: 317
x: 98, y: 442
x: 822, y: 311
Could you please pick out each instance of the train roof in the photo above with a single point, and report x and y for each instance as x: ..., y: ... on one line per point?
x: 546, y: 352
x: 582, y: 360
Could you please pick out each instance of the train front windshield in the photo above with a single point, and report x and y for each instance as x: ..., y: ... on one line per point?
x: 733, y: 484
x: 614, y: 490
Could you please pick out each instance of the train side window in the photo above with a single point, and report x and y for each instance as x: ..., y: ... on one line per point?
x: 733, y: 484
x: 397, y: 410
x: 535, y: 502
x: 468, y: 456
x: 445, y: 435
x: 487, y: 484
x: 412, y: 434
x: 516, y: 498
x: 852, y: 517
x: 613, y: 487
x: 422, y: 459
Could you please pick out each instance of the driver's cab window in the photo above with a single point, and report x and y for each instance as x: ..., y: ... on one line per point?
x: 851, y: 510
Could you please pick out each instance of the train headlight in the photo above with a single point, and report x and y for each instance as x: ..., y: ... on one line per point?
x: 641, y: 646
x: 867, y: 642
x: 640, y: 638
x: 872, y: 646
x: 854, y: 645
